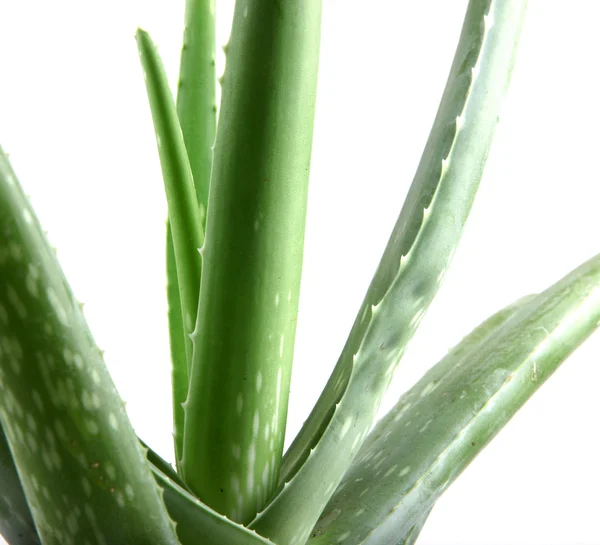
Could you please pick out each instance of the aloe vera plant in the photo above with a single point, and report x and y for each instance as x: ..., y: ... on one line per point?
x: 72, y: 469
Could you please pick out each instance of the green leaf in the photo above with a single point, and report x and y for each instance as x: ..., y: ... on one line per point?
x: 413, y: 533
x: 409, y: 274
x: 16, y: 525
x: 177, y: 339
x: 81, y: 466
x: 197, y: 111
x: 449, y: 416
x: 252, y: 258
x: 184, y: 213
x: 162, y: 465
x: 196, y: 94
x: 192, y: 518
x: 196, y: 521
x: 366, y: 457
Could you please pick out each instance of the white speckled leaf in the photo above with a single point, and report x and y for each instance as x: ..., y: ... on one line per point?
x: 16, y: 524
x: 235, y: 413
x: 440, y: 424
x: 409, y: 274
x: 192, y: 518
x: 81, y: 466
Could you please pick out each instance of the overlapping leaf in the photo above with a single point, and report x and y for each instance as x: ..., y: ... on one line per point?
x: 185, y: 232
x: 198, y: 523
x: 80, y: 464
x: 417, y: 255
x: 197, y: 111
x: 440, y: 424
x: 252, y: 257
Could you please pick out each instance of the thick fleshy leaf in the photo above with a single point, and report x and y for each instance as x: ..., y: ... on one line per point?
x: 81, y: 466
x: 252, y: 259
x: 197, y: 112
x: 440, y: 424
x: 417, y: 255
x: 465, y: 348
x: 185, y: 222
x: 196, y: 94
x: 198, y: 523
x: 193, y: 519
x: 16, y: 524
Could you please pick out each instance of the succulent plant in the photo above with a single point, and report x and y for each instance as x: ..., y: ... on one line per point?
x: 73, y: 471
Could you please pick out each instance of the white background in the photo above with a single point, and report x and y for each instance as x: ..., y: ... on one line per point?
x: 74, y: 117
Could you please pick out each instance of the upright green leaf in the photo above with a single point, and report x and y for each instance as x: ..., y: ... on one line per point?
x: 252, y: 258
x: 16, y: 525
x: 409, y: 274
x: 196, y: 94
x: 450, y: 415
x: 81, y: 466
x: 184, y: 211
x: 197, y: 111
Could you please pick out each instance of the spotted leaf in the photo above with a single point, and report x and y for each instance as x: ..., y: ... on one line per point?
x: 252, y: 258
x: 83, y: 471
x: 409, y: 274
x: 436, y: 429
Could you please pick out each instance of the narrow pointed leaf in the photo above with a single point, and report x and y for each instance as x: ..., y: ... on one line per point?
x: 184, y: 213
x: 252, y: 259
x: 197, y: 112
x: 16, y: 525
x: 196, y: 94
x: 450, y: 415
x: 81, y: 466
x: 198, y: 523
x: 418, y: 253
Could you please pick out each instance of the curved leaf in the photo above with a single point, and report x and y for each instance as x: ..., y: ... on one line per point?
x: 447, y: 418
x: 411, y: 269
x: 196, y: 94
x: 83, y: 471
x: 197, y: 112
x: 184, y: 213
x: 252, y: 259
